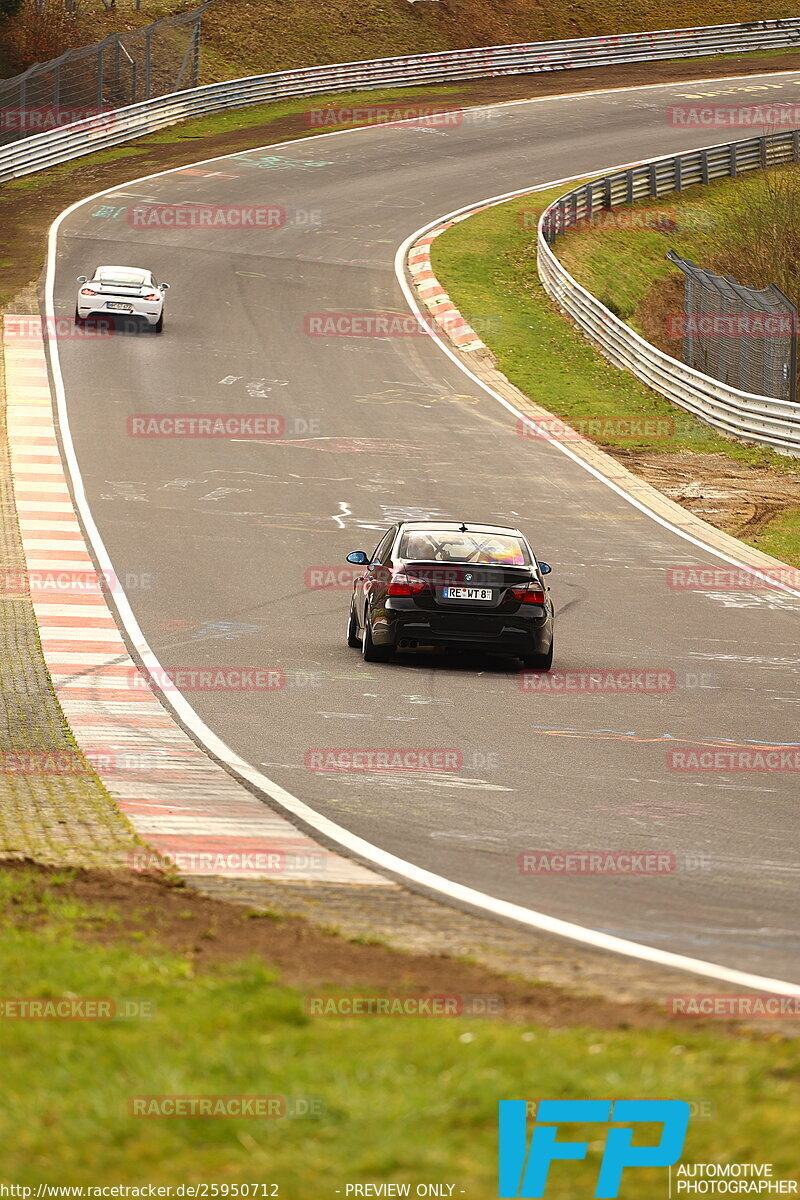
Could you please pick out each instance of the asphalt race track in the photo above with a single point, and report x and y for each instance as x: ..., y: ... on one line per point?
x: 377, y: 428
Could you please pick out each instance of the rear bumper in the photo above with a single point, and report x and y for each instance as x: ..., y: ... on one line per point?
x: 524, y: 632
x: 141, y: 312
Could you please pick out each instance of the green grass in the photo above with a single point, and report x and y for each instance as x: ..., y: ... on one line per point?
x: 781, y: 537
x: 261, y: 114
x: 405, y: 1099
x: 626, y: 266
x: 488, y: 266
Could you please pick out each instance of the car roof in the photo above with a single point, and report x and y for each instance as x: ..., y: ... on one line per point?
x: 455, y: 527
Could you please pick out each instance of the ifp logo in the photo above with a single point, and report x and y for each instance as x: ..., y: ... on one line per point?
x: 524, y: 1171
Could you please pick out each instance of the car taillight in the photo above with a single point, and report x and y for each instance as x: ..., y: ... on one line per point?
x: 531, y: 593
x: 153, y: 296
x: 402, y: 584
x: 87, y: 292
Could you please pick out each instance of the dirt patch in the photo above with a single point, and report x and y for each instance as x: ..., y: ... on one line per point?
x: 209, y: 932
x: 735, y: 497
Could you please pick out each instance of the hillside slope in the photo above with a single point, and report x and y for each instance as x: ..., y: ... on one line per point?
x: 243, y: 37
x: 263, y: 35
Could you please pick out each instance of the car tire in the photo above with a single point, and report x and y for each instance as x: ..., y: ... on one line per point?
x: 370, y: 652
x: 538, y: 662
x: 353, y: 639
x: 79, y: 320
x: 159, y: 325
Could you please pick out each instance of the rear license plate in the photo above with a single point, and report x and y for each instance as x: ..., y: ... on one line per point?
x: 119, y: 307
x: 462, y: 593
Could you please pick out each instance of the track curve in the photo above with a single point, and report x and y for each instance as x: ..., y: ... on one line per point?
x: 229, y: 529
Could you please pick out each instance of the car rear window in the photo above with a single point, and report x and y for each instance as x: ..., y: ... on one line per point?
x: 127, y: 277
x: 445, y: 545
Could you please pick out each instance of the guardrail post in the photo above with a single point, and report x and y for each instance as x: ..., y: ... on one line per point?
x: 629, y: 185
x: 653, y: 180
x: 573, y: 216
x: 678, y: 173
x: 148, y: 37
x: 762, y: 148
x: 796, y: 145
x: 100, y: 50
x: 589, y: 189
x: 793, y: 366
x: 196, y: 59
x: 703, y: 169
x: 732, y: 170
x: 607, y: 192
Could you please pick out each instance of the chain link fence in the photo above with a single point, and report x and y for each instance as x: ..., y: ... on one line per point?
x: 122, y: 69
x: 743, y: 336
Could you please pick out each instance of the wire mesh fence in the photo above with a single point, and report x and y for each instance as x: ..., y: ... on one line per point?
x: 123, y: 69
x: 745, y: 337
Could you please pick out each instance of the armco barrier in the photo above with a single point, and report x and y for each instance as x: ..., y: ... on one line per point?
x: 120, y: 125
x: 753, y: 418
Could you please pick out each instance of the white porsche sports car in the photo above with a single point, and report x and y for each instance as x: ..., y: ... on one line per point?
x: 128, y: 292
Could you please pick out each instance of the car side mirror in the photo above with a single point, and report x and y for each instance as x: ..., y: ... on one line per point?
x: 164, y: 287
x: 83, y: 279
x: 359, y: 558
x: 545, y: 568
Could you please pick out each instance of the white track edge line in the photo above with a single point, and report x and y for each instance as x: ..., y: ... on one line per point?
x: 399, y: 868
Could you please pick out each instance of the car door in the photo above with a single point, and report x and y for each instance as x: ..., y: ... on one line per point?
x: 375, y: 577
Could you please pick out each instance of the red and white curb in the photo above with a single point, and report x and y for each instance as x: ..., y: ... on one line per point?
x: 435, y: 298
x: 181, y: 803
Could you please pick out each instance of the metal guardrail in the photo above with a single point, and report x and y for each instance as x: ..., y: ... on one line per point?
x: 110, y: 129
x: 744, y: 415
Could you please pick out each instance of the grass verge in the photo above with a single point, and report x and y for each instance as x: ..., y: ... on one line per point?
x: 488, y: 266
x: 405, y: 1099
